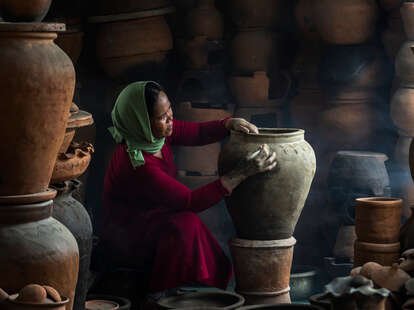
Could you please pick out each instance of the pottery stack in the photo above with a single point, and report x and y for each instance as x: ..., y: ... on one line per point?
x: 256, y: 52
x: 38, y: 81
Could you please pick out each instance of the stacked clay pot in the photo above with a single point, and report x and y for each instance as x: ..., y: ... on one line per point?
x: 377, y: 226
x: 264, y: 233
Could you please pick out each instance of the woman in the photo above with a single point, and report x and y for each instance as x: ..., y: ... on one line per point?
x: 150, y: 216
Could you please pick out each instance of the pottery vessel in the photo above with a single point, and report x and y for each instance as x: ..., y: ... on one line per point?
x: 36, y: 248
x: 252, y: 261
x: 276, y: 214
x: 383, y: 254
x: 29, y: 52
x: 205, y: 20
x: 73, y: 215
x: 124, y: 303
x: 346, y: 21
x: 402, y: 113
x: 108, y: 7
x: 24, y: 11
x: 404, y: 65
x: 407, y: 11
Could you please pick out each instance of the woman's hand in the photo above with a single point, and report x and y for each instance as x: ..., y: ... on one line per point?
x: 259, y: 161
x: 240, y: 124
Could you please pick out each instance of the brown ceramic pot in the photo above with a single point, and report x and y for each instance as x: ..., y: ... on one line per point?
x: 346, y: 21
x: 404, y: 64
x: 262, y: 269
x: 257, y: 13
x: 407, y: 11
x: 36, y: 248
x: 383, y: 254
x: 305, y: 19
x: 275, y: 213
x: 254, y: 50
x: 36, y: 111
x: 402, y: 112
x: 205, y: 20
x: 377, y: 219
x: 24, y: 11
x: 108, y: 7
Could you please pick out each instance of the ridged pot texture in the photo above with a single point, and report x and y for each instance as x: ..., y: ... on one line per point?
x: 267, y: 206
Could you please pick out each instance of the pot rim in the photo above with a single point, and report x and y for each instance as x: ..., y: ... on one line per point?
x: 244, y: 243
x: 369, y: 201
x: 378, y: 247
x: 312, y: 271
x: 32, y: 27
x: 272, y: 132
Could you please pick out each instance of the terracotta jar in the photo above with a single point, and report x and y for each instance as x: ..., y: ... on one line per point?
x: 37, y: 111
x: 305, y: 20
x: 407, y: 11
x: 124, y: 45
x: 383, y: 254
x: 205, y: 20
x: 254, y: 50
x: 275, y: 214
x: 404, y: 65
x: 257, y: 13
x: 108, y: 7
x: 262, y: 269
x: 346, y: 21
x: 402, y: 112
x: 71, y: 213
x: 24, y: 11
x: 36, y: 248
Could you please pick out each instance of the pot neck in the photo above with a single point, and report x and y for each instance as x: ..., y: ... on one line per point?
x: 271, y: 136
x: 25, y: 213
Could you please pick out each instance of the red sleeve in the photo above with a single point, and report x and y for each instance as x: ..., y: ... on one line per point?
x: 193, y: 134
x: 160, y: 188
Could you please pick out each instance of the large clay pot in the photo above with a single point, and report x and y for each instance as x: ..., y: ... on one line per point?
x: 407, y: 11
x: 109, y: 7
x: 404, y: 65
x: 402, y: 110
x: 73, y: 215
x: 36, y: 111
x: 305, y: 19
x: 377, y: 219
x: 205, y: 20
x: 36, y: 248
x: 346, y: 21
x: 24, y: 11
x: 275, y: 213
x: 256, y: 13
x: 254, y: 50
x: 262, y: 269
x: 383, y: 254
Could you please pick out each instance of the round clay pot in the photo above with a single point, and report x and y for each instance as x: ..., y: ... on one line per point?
x: 252, y: 261
x: 402, y: 112
x: 346, y: 21
x: 377, y: 219
x: 24, y: 11
x: 305, y: 20
x: 407, y: 11
x: 37, y: 111
x: 108, y: 7
x: 383, y: 254
x: 71, y: 213
x: 36, y: 248
x: 205, y: 20
x: 404, y: 64
x: 254, y: 50
x: 256, y: 13
x: 275, y: 214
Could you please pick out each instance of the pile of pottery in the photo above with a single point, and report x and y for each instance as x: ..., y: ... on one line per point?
x: 264, y: 214
x: 132, y: 36
x: 38, y: 81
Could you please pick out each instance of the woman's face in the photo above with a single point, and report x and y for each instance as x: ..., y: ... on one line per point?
x: 161, y: 121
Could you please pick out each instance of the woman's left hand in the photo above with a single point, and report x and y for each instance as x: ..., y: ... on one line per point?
x: 240, y: 124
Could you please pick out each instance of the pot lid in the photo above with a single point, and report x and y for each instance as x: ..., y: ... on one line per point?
x: 79, y: 119
x: 32, y: 27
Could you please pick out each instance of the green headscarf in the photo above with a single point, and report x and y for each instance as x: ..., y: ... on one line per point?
x: 132, y: 124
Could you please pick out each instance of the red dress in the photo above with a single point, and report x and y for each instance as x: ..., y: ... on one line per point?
x: 150, y: 217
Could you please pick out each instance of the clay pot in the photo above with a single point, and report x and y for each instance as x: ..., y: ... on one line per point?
x: 37, y: 111
x: 254, y: 50
x: 407, y: 10
x: 404, y: 65
x: 36, y: 248
x: 200, y: 159
x: 377, y: 219
x: 275, y: 214
x: 73, y: 215
x: 125, y: 45
x: 205, y: 20
x: 305, y: 20
x: 257, y: 13
x: 24, y: 11
x: 252, y: 262
x: 346, y: 21
x: 402, y: 112
x: 383, y: 254
x: 108, y: 7
x: 73, y: 163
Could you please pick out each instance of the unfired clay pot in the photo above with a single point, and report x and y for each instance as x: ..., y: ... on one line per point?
x: 383, y: 254
x: 109, y: 7
x: 205, y: 20
x: 278, y: 195
x: 346, y: 21
x: 402, y: 112
x: 36, y: 248
x: 404, y: 65
x: 36, y: 111
x: 24, y: 11
x: 407, y: 11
